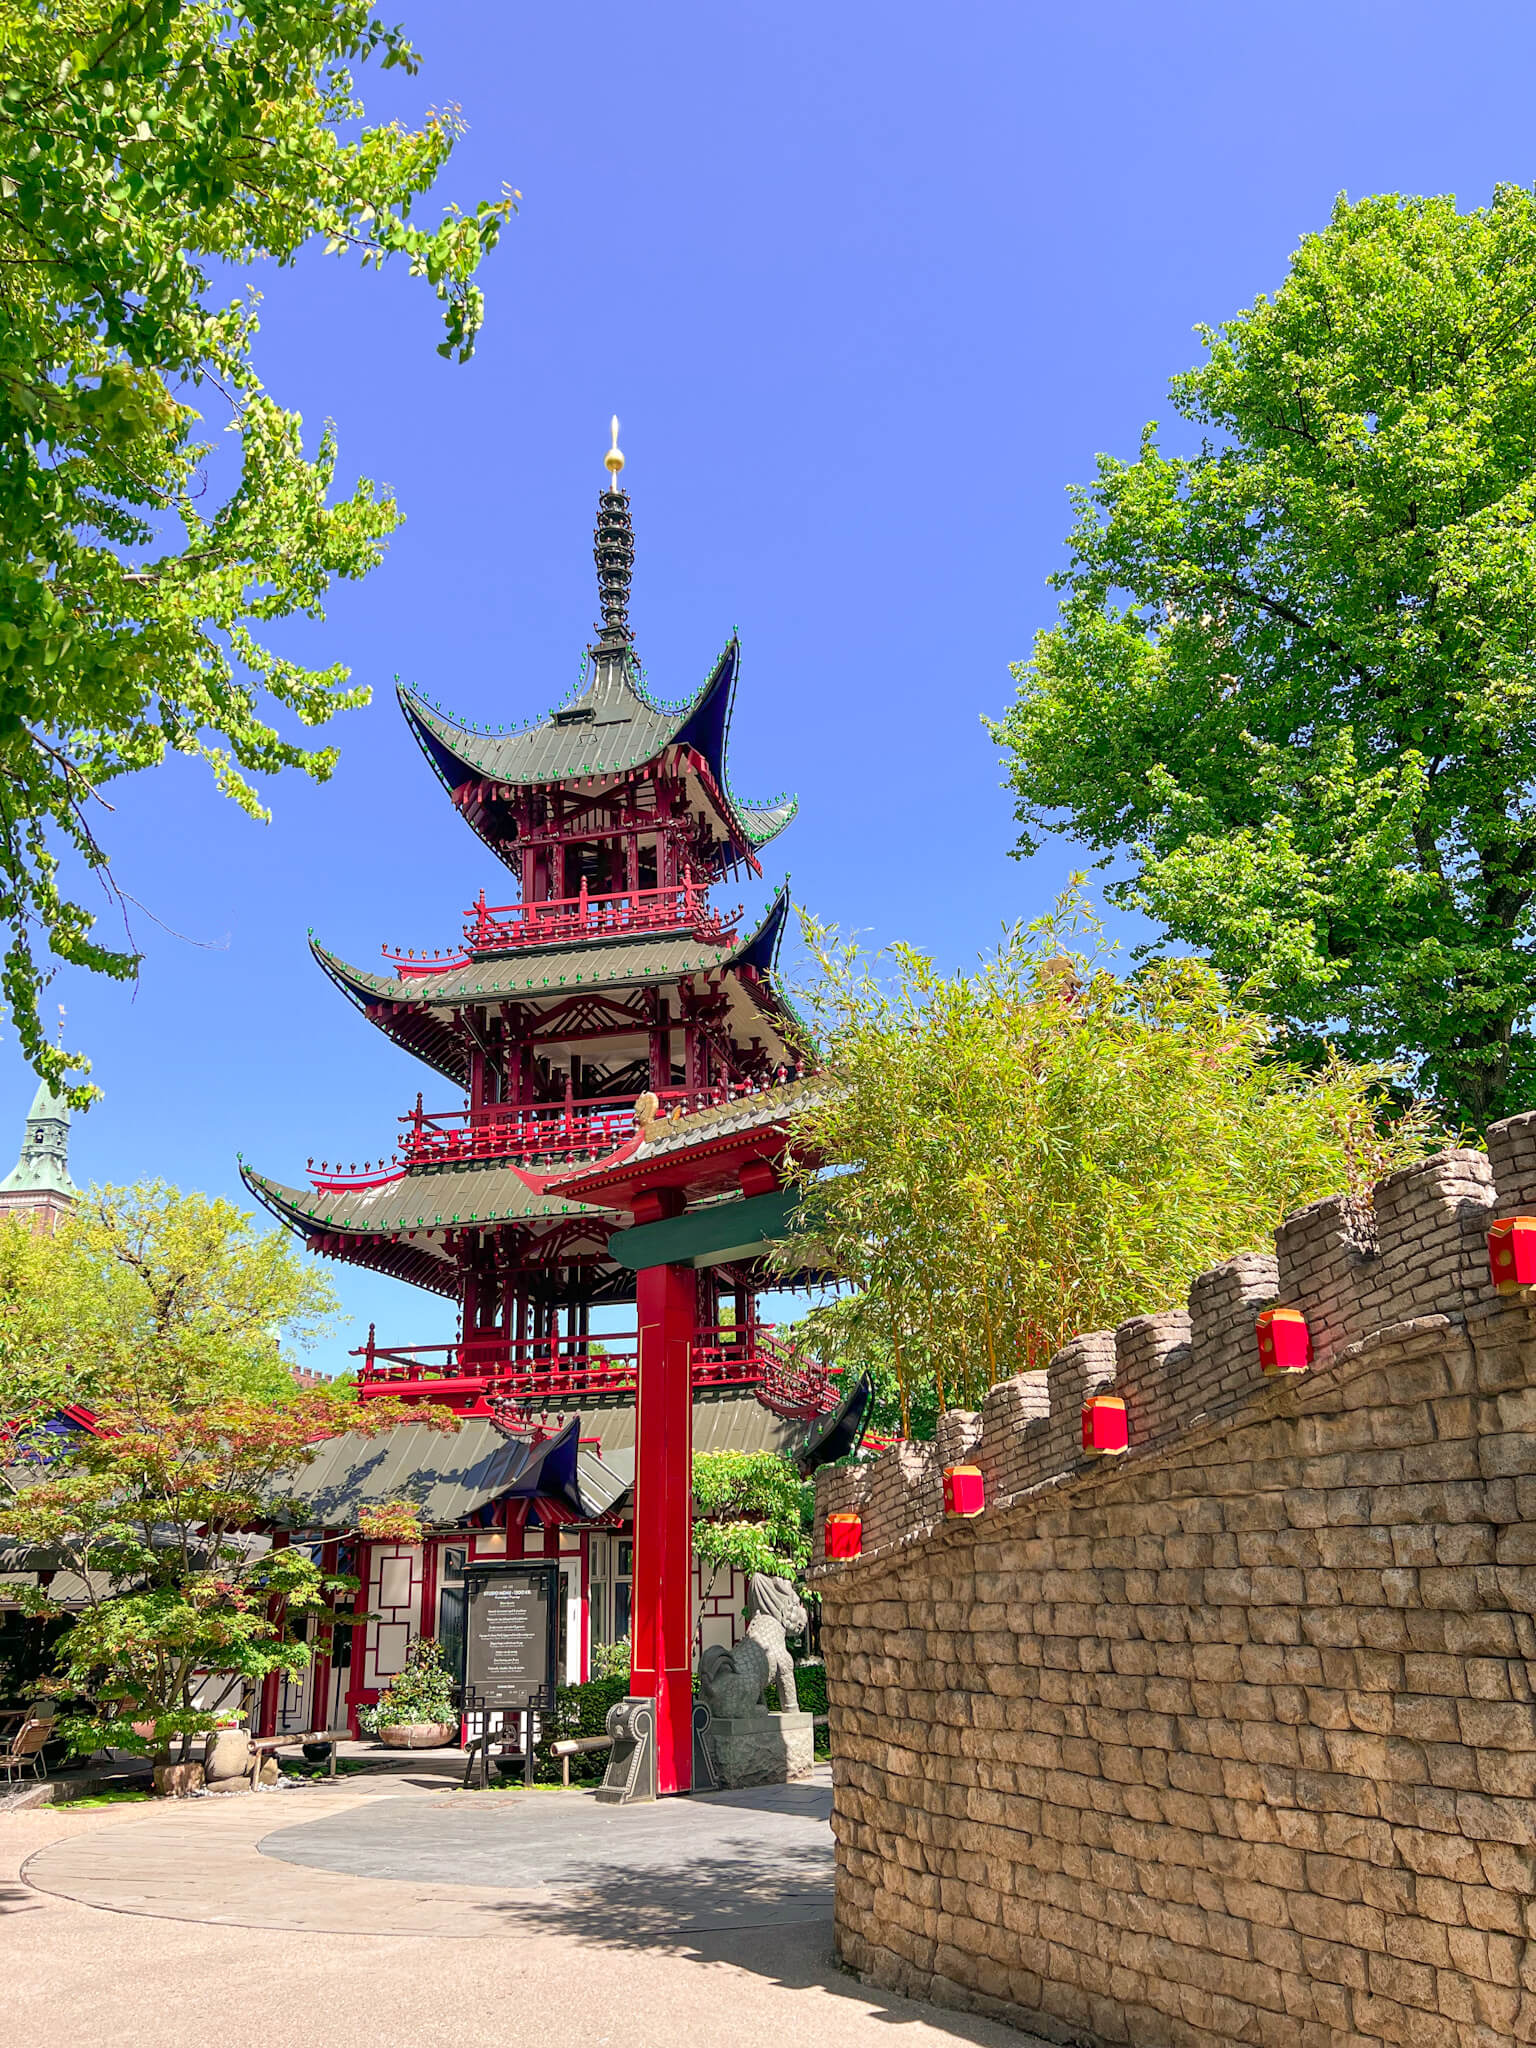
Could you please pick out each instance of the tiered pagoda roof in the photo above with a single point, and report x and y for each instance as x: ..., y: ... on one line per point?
x: 607, y: 731
x: 603, y: 740
x: 407, y: 1223
x: 612, y: 976
x: 420, y: 1010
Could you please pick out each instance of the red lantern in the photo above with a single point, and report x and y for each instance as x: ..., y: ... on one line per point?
x: 965, y: 1491
x: 1285, y: 1342
x: 1512, y: 1254
x: 845, y: 1535
x: 1106, y: 1426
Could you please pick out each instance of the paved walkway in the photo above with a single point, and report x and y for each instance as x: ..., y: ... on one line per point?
x: 681, y: 1866
x: 262, y: 1918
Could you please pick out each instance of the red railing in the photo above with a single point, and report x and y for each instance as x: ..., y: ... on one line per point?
x: 531, y: 1130
x: 580, y: 1126
x: 551, y: 1370
x: 493, y: 928
x: 501, y: 927
x: 345, y: 1180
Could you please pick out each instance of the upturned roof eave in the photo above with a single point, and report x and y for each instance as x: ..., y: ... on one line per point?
x: 779, y: 815
x: 673, y: 1148
x: 707, y: 726
x: 308, y: 1211
x: 366, y: 991
x: 457, y: 753
x: 363, y: 988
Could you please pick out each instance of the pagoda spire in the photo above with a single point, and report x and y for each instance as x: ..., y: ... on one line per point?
x: 613, y: 549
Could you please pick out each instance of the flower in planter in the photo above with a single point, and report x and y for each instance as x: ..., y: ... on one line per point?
x: 423, y: 1691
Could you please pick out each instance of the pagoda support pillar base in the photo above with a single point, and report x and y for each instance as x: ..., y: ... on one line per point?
x: 661, y: 1649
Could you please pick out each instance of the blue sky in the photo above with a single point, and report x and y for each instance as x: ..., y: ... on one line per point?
x: 868, y: 287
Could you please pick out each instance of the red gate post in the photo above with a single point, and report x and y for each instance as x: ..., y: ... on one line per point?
x: 661, y: 1643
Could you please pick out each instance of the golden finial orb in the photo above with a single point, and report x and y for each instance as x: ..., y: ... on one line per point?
x: 613, y: 461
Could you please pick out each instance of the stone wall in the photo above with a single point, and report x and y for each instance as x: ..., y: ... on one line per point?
x: 1232, y: 1739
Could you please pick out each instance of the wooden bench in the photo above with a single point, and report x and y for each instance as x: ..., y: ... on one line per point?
x: 263, y: 1746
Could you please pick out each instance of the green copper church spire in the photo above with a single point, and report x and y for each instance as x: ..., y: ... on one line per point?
x: 43, y: 1168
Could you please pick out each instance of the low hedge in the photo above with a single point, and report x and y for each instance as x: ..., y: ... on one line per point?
x: 811, y: 1688
x: 579, y: 1710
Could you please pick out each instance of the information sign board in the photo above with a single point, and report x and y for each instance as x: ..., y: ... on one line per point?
x: 511, y: 1635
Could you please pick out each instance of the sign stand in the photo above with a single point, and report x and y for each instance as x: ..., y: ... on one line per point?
x: 511, y: 1649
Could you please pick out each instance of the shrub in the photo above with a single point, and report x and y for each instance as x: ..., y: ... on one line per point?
x: 579, y: 1710
x: 423, y: 1691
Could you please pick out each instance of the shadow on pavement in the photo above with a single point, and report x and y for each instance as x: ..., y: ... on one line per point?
x: 720, y: 1911
x: 737, y: 1879
x: 728, y: 1888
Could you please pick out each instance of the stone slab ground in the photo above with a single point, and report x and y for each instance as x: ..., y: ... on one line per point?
x: 506, y: 1918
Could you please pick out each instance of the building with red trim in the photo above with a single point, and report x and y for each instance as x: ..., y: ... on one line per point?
x: 612, y: 1009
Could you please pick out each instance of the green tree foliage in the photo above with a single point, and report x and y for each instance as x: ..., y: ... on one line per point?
x: 849, y: 1331
x: 751, y: 1511
x: 142, y: 143
x: 153, y: 1512
x: 160, y: 1314
x: 145, y: 1288
x: 582, y: 1710
x: 1295, y: 671
x: 1044, y: 1146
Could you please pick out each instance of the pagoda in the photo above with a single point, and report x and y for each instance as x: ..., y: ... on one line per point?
x: 614, y: 996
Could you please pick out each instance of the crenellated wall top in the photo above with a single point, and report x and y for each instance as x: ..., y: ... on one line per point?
x: 1353, y: 1269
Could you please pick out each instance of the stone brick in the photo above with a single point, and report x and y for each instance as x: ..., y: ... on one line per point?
x: 1234, y: 1741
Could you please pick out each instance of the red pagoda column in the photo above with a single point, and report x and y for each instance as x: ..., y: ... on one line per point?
x: 661, y: 1640
x: 661, y: 1660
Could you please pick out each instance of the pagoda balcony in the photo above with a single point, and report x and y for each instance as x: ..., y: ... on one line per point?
x: 568, y: 1371
x: 584, y: 1127
x: 590, y: 1126
x: 575, y: 920
x: 562, y: 920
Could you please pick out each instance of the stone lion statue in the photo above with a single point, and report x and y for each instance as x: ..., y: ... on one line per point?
x: 734, y: 1681
x: 775, y: 1612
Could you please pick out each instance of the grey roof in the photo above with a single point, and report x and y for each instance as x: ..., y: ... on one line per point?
x: 536, y: 971
x: 739, y: 1424
x: 601, y: 1483
x: 65, y: 1588
x: 727, y: 1119
x: 447, y: 1477
x: 417, y: 1011
x: 593, y: 966
x: 611, y: 726
x: 425, y: 1198
x: 761, y: 1111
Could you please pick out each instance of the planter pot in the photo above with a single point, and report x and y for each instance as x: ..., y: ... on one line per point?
x: 317, y: 1752
x: 145, y: 1730
x: 229, y: 1755
x: 509, y: 1769
x: 175, y: 1781
x: 419, y: 1735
